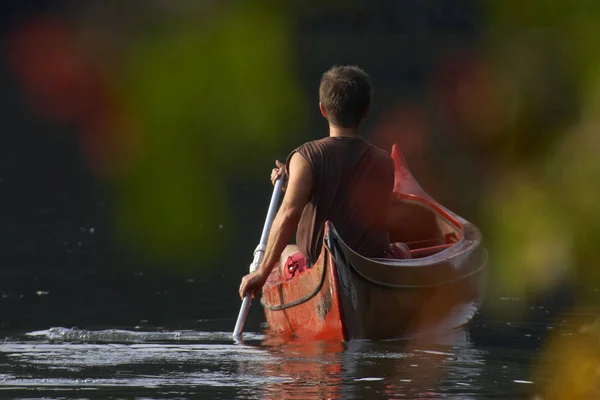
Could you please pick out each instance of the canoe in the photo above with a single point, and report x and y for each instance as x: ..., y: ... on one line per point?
x: 346, y: 296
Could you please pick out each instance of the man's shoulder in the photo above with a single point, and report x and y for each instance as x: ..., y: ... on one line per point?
x: 307, y: 150
x: 313, y: 144
x: 382, y: 159
x: 379, y: 152
x: 321, y: 141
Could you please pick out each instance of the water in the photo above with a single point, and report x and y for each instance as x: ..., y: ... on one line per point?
x: 60, y: 363
x: 66, y: 363
x: 166, y: 353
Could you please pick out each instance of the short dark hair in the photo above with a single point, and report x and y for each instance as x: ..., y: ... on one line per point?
x: 345, y: 94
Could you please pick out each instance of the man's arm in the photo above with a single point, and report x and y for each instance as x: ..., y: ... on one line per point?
x: 285, y: 223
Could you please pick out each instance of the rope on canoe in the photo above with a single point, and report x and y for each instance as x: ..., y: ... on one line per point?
x: 301, y: 300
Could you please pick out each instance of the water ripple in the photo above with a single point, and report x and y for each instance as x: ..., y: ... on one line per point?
x: 60, y: 334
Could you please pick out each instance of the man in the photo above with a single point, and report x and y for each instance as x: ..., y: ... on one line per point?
x: 341, y: 178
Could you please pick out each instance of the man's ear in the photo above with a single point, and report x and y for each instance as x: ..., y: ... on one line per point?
x: 323, y: 112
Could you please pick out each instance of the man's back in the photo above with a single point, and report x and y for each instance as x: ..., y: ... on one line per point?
x: 352, y: 183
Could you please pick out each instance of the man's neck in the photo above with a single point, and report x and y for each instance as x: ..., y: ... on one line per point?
x: 338, y: 131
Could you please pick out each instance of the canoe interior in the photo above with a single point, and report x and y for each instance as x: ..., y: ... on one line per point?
x: 417, y: 224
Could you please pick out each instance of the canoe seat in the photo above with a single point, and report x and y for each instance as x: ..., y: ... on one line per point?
x: 420, y: 244
x: 420, y: 252
x: 427, y: 251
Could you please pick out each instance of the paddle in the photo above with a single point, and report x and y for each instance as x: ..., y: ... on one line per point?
x: 258, y: 256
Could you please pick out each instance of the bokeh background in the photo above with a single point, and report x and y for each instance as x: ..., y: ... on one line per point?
x: 137, y: 138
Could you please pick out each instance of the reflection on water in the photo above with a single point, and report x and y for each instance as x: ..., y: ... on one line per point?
x: 363, y: 369
x: 112, y: 363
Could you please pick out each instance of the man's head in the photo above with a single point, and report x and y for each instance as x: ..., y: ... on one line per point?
x: 345, y: 96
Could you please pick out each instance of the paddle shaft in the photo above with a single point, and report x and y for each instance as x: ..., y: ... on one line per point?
x: 258, y: 256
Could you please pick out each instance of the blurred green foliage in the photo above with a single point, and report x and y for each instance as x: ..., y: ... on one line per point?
x: 540, y: 208
x: 211, y: 96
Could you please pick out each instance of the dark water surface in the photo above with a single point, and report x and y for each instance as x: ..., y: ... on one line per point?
x: 489, y: 359
x: 65, y: 363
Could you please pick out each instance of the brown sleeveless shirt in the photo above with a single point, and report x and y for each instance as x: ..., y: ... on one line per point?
x: 352, y: 183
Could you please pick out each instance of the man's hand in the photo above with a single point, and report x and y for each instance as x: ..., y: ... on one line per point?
x: 253, y: 283
x: 285, y: 223
x: 277, y: 172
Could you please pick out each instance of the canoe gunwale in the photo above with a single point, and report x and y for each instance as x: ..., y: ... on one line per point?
x: 392, y: 286
x: 451, y: 268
